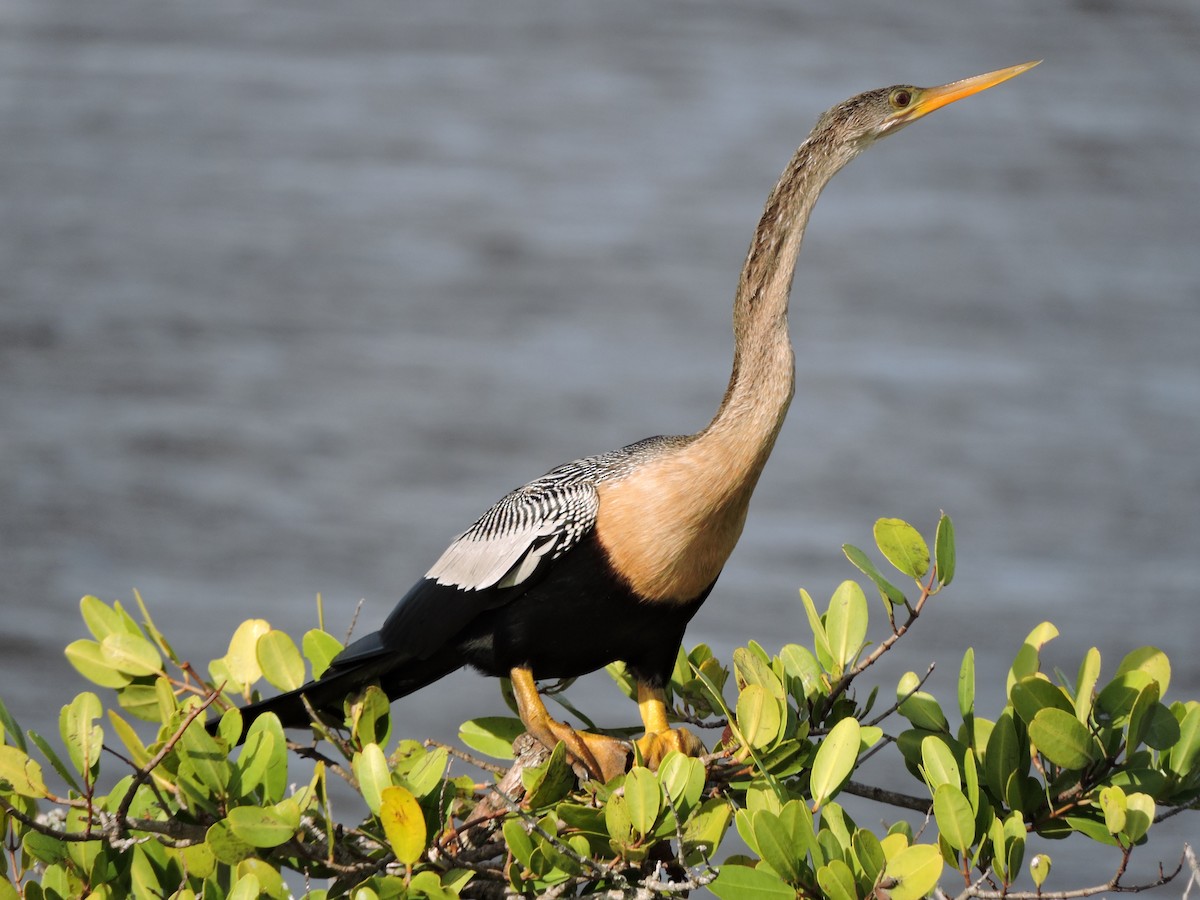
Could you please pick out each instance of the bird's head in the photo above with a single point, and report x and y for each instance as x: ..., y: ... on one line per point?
x: 865, y: 118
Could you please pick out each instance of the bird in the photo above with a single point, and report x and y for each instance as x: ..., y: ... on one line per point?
x: 608, y: 558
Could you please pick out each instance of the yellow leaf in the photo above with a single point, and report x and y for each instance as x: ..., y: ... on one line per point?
x: 403, y: 823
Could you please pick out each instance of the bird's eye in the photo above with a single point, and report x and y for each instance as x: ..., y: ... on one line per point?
x: 900, y: 98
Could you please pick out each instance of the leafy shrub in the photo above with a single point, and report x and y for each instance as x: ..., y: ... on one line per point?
x: 189, y: 815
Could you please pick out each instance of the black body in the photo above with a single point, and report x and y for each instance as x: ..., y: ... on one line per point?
x: 576, y: 618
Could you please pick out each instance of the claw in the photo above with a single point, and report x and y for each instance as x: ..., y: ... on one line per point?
x: 598, y: 756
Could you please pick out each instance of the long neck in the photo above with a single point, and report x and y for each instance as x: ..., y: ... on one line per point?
x: 760, y: 387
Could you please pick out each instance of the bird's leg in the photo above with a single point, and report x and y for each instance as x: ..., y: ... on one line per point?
x: 660, y: 738
x: 604, y: 757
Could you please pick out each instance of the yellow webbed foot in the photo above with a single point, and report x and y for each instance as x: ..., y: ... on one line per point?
x: 654, y: 745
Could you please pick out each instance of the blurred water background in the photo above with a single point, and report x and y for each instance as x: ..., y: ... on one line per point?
x: 289, y: 293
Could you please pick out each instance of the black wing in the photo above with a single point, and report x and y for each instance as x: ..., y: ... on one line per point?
x: 497, y: 558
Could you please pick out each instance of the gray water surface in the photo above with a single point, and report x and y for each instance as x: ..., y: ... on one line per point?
x: 291, y: 292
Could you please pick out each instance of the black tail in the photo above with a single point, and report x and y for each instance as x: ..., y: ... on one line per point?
x: 327, y: 694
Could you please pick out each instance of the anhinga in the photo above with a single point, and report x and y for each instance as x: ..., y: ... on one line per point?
x: 608, y: 557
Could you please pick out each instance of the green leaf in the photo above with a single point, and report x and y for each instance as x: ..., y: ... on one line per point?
x: 426, y: 776
x: 320, y: 647
x: 84, y: 739
x: 939, y: 763
x: 966, y: 685
x: 1113, y: 805
x: 1003, y: 754
x: 371, y: 769
x: 643, y: 799
x: 270, y: 881
x: 103, y: 620
x: 891, y: 594
x: 280, y: 661
x: 955, y: 818
x: 549, y: 782
x: 1028, y: 658
x: 744, y: 883
x: 834, y: 761
x: 1014, y: 837
x: 247, y: 888
x: 1034, y: 693
x: 943, y: 550
x: 1085, y: 686
x: 89, y: 660
x: 9, y: 726
x: 682, y: 779
x: 1062, y: 738
x: 273, y: 752
x: 403, y: 823
x: 759, y: 716
x: 1115, y: 701
x: 820, y: 641
x: 752, y: 668
x: 846, y: 625
x: 205, y: 758
x: 226, y: 846
x: 1039, y: 868
x: 140, y: 700
x: 903, y: 547
x: 64, y: 773
x: 492, y: 735
x: 916, y: 871
x: 802, y: 669
x: 707, y: 825
x: 618, y: 821
x: 920, y: 708
x: 776, y: 848
x: 370, y: 721
x: 1150, y: 722
x: 868, y: 851
x: 836, y: 881
x: 1184, y: 755
x: 131, y: 654
x: 264, y: 826
x: 241, y: 659
x: 1139, y: 816
x: 23, y: 774
x: 1150, y: 660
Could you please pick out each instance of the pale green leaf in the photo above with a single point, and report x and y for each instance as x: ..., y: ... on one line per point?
x: 280, y: 661
x: 1062, y: 738
x: 241, y: 660
x: 846, y: 625
x: 834, y: 760
x: 89, y: 660
x: 903, y: 546
x: 23, y: 774
x: 371, y: 769
x: 1150, y: 660
x: 939, y: 764
x: 264, y: 826
x: 759, y: 716
x: 320, y: 647
x: 744, y: 883
x: 916, y: 871
x: 891, y: 594
x: 643, y: 799
x: 492, y: 735
x: 955, y: 818
x: 943, y: 550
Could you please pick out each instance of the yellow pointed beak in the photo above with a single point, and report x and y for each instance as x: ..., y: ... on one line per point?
x: 926, y: 100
